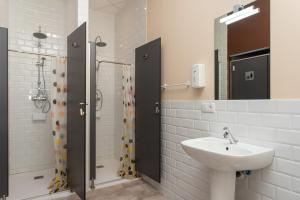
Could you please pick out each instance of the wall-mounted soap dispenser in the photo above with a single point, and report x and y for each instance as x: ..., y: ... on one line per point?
x: 198, y: 76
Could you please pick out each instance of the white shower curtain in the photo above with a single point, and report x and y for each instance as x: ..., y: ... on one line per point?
x: 59, y: 124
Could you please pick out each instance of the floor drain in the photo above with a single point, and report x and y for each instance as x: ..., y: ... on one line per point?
x: 38, y: 177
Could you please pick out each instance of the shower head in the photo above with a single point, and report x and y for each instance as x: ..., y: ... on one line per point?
x: 39, y: 35
x: 100, y: 43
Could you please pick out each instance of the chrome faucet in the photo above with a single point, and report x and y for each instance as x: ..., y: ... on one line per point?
x: 228, y: 135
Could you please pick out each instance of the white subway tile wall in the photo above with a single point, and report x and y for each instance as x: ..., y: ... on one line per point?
x: 266, y: 123
x: 31, y: 143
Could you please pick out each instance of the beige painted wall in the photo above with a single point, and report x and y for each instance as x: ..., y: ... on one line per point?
x: 4, y: 13
x: 285, y: 49
x: 187, y: 31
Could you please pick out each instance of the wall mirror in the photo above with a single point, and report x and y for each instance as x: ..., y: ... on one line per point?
x: 242, y: 52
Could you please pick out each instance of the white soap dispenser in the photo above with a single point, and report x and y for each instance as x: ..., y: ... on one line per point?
x: 198, y: 76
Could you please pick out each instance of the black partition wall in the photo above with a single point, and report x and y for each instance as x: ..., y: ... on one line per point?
x: 147, y: 111
x: 76, y: 111
x: 93, y: 113
x: 3, y: 112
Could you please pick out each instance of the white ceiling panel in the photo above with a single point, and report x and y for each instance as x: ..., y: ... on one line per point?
x: 96, y: 4
x: 108, y: 6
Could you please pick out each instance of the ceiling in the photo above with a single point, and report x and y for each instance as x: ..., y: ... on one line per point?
x: 107, y: 6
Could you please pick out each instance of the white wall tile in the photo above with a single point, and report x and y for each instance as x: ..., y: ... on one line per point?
x: 286, y: 195
x: 229, y: 117
x: 296, y: 185
x: 249, y: 119
x: 288, y: 106
x: 202, y: 125
x: 188, y: 114
x: 237, y: 106
x: 288, y: 167
x: 260, y: 133
x: 288, y: 137
x: 262, y: 106
x: 262, y: 188
x: 296, y: 153
x: 221, y: 105
x: 296, y: 122
x: 276, y: 120
x: 278, y: 179
x: 265, y: 123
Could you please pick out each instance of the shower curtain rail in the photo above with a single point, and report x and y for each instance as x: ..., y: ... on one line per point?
x: 38, y: 54
x: 112, y: 62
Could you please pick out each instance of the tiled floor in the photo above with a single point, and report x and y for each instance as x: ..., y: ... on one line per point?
x: 137, y: 190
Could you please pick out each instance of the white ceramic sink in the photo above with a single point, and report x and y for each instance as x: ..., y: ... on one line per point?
x: 225, y: 159
x: 218, y: 154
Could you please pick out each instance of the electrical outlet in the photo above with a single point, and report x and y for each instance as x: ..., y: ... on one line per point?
x: 209, y: 107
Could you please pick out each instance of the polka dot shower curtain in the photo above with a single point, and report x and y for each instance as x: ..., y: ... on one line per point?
x: 59, y: 126
x: 127, y: 159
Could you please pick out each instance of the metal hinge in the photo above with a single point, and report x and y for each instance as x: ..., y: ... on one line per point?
x: 92, y: 184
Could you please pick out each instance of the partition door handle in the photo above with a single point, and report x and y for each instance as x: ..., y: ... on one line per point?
x: 75, y: 45
x: 82, y: 109
x: 83, y: 104
x: 157, y: 108
x: 82, y: 113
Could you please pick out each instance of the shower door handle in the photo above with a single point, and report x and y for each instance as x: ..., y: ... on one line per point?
x: 82, y: 109
x: 82, y: 113
x: 157, y: 108
x: 75, y: 45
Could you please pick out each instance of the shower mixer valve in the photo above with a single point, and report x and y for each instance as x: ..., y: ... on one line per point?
x: 41, y: 99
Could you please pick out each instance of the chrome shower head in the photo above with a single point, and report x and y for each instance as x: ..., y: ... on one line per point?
x: 100, y: 43
x: 39, y: 35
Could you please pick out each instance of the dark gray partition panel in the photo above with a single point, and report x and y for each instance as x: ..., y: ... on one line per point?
x: 76, y: 117
x: 93, y: 113
x: 217, y: 71
x: 3, y: 112
x: 148, y: 105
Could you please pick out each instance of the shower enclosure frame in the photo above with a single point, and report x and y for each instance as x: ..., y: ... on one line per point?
x: 94, y: 67
x: 4, y: 164
x: 93, y: 88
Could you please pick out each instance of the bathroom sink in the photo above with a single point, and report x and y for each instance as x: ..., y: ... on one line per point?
x: 218, y: 154
x: 225, y: 160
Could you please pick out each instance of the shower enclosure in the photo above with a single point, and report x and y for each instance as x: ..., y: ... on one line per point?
x: 116, y: 28
x: 37, y: 39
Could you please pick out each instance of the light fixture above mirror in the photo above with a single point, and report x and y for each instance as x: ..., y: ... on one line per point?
x: 239, y: 13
